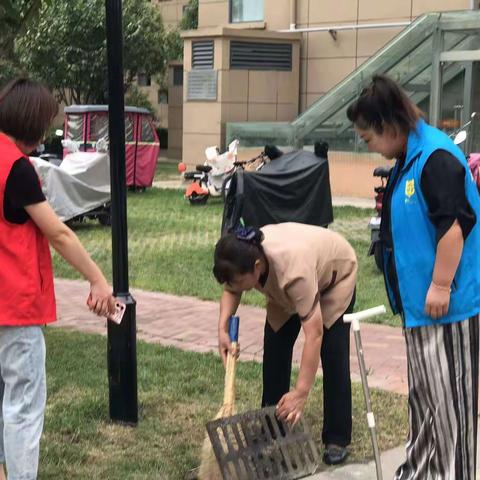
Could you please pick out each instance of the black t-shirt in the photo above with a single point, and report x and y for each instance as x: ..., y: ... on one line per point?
x: 22, y: 189
x: 443, y: 186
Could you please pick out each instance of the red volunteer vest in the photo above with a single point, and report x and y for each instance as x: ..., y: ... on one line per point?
x: 27, y: 294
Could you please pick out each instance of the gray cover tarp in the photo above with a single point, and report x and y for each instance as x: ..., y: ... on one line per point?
x: 80, y: 184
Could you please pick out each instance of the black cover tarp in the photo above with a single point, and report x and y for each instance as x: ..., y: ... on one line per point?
x: 292, y: 188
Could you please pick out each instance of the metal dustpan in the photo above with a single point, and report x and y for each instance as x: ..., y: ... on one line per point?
x: 257, y: 445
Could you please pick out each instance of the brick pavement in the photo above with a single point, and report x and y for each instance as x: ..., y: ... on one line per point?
x: 191, y: 324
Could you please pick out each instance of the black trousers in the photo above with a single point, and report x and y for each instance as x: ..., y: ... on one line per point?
x: 335, y: 356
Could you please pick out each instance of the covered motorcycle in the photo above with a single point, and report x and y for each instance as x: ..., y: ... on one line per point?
x: 295, y: 187
x: 79, y: 187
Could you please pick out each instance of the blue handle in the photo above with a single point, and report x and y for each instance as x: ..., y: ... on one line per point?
x: 233, y: 328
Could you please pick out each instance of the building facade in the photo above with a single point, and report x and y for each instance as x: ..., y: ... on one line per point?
x: 308, y: 47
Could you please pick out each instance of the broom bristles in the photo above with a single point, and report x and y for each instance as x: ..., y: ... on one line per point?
x: 209, y: 469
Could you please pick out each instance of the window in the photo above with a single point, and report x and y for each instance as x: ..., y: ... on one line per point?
x: 177, y: 76
x: 143, y: 80
x: 98, y: 126
x: 162, y: 97
x: 147, y: 131
x: 246, y: 11
x: 75, y: 127
x: 128, y: 128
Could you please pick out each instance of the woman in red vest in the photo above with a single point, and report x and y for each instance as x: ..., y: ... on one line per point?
x: 27, y: 300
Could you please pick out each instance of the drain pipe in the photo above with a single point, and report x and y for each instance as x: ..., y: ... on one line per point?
x: 346, y: 27
x: 293, y: 15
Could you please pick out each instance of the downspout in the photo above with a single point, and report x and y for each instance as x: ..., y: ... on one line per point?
x: 350, y: 27
x: 293, y: 14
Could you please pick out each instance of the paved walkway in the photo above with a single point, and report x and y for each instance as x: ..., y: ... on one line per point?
x: 191, y: 324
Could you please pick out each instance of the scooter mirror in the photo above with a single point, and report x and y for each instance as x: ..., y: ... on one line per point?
x: 59, y: 133
x: 460, y: 137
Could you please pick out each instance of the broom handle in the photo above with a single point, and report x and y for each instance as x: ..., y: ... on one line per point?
x: 229, y: 392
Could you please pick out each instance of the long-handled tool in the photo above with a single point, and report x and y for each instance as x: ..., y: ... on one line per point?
x: 355, y: 318
x: 256, y: 444
x: 209, y: 469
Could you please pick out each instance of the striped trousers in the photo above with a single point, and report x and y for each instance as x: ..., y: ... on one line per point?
x: 442, y: 402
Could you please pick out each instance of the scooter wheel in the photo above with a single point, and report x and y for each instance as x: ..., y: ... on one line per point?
x: 378, y: 254
x: 198, y: 199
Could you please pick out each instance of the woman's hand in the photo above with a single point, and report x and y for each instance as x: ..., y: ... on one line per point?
x: 437, y: 301
x: 225, y: 346
x: 291, y: 405
x: 101, y: 300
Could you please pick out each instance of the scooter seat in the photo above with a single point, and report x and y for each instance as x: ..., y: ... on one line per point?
x: 383, y: 172
x: 203, y: 168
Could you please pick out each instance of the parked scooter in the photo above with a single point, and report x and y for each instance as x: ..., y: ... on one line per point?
x: 374, y: 225
x: 208, y: 179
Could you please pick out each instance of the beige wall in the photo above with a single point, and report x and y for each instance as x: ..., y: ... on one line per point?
x: 171, y: 10
x: 242, y: 95
x: 325, y: 61
x: 161, y: 109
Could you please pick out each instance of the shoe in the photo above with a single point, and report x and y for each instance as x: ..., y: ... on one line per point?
x: 334, y: 454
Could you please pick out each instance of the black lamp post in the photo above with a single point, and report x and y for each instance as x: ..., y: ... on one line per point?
x: 122, y: 355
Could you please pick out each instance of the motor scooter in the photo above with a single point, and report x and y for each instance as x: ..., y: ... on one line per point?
x: 374, y: 225
x: 208, y: 179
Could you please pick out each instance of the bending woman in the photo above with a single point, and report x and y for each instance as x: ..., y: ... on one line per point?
x: 307, y: 275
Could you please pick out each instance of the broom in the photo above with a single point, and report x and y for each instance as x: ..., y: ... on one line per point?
x: 209, y: 469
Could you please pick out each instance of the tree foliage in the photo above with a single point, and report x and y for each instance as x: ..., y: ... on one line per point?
x: 66, y: 47
x: 15, y: 15
x: 173, y: 41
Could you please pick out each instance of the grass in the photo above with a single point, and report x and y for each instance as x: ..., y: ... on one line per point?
x: 178, y: 392
x: 166, y: 171
x: 171, y: 246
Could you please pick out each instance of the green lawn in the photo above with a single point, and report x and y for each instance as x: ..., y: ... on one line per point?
x: 178, y: 392
x: 171, y: 246
x: 166, y: 171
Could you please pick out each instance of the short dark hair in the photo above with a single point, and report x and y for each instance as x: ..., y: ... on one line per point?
x: 234, y: 256
x: 384, y: 102
x: 27, y: 109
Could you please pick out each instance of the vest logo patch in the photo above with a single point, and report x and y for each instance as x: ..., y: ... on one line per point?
x: 410, y: 188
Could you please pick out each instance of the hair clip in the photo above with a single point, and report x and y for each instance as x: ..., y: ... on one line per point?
x: 245, y: 233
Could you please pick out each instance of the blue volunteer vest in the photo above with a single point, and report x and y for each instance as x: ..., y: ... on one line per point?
x: 414, y: 236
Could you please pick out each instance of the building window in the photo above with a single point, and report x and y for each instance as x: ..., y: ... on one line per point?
x: 143, y: 80
x: 246, y: 11
x: 177, y: 76
x: 162, y: 97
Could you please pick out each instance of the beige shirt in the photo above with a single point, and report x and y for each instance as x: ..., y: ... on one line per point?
x: 307, y: 264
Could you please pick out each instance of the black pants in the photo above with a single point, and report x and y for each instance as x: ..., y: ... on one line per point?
x: 335, y: 356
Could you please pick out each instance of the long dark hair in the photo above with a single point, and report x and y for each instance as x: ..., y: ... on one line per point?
x: 27, y: 109
x: 236, y: 253
x: 384, y: 102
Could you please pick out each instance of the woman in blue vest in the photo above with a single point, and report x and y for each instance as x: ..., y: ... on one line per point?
x: 430, y: 240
